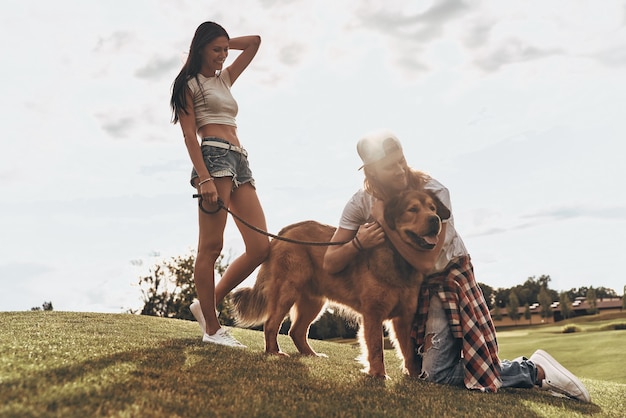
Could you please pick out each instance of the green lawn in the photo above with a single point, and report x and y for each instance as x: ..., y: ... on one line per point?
x: 592, y: 353
x: 84, y: 364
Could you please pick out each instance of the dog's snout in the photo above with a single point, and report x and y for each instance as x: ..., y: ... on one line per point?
x: 434, y: 223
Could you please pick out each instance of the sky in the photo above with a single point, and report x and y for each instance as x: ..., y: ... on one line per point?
x: 516, y: 107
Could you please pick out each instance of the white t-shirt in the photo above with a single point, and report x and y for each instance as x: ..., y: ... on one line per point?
x: 358, y: 211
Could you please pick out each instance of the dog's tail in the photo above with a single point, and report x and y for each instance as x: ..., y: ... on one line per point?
x: 249, y: 306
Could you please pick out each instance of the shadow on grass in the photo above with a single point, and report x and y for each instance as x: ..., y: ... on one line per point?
x: 181, y: 377
x: 177, y: 377
x: 430, y: 399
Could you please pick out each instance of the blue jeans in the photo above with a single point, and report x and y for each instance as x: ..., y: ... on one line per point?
x: 442, y: 362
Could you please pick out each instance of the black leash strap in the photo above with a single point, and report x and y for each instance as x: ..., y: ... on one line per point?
x: 220, y: 205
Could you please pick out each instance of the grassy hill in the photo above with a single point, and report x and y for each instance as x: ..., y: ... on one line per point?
x: 86, y: 364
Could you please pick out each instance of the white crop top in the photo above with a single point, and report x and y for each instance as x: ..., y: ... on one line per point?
x: 212, y: 100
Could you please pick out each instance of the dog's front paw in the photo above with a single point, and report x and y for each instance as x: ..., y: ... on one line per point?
x: 410, y: 371
x: 381, y: 375
x: 277, y: 353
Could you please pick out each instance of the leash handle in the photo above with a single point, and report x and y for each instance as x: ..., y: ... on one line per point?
x: 220, y: 205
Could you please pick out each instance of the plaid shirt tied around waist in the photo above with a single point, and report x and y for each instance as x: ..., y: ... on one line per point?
x: 469, y: 319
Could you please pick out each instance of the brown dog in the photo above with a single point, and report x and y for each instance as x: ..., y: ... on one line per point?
x: 378, y: 284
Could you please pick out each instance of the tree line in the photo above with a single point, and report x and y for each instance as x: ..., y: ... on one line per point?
x: 537, y: 291
x: 168, y: 290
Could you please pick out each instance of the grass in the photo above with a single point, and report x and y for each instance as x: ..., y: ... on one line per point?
x: 85, y: 364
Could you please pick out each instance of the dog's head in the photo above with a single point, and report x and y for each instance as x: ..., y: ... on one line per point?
x: 416, y: 215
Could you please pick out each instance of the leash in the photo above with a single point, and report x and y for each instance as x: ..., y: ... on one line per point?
x: 220, y: 206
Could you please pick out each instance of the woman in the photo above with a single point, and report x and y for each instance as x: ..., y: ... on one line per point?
x: 202, y: 103
x: 455, y: 337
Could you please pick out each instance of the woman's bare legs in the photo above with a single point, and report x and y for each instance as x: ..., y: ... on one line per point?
x: 210, y: 242
x: 244, y: 202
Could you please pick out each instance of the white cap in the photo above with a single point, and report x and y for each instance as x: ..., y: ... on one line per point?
x: 375, y: 146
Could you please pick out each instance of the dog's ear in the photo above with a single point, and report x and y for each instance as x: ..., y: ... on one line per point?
x: 391, y: 212
x: 442, y: 211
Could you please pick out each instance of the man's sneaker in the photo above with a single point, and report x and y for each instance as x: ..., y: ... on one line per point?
x: 196, y: 310
x: 222, y: 337
x: 558, y: 379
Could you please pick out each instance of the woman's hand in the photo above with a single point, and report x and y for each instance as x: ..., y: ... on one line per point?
x: 370, y: 235
x: 208, y: 191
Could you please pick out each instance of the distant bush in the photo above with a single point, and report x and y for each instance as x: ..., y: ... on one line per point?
x: 613, y: 326
x: 568, y: 329
x: 47, y: 306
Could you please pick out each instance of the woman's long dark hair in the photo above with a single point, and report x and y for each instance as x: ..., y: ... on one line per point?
x: 205, y: 34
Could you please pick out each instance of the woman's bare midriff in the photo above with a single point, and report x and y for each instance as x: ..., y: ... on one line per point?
x: 226, y: 132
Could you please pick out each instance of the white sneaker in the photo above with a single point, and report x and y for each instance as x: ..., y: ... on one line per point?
x: 558, y: 379
x: 196, y: 310
x: 222, y: 337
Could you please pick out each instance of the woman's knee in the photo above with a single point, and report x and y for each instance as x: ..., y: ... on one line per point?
x: 209, y: 252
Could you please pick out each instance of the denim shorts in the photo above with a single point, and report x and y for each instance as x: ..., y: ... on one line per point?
x: 222, y: 162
